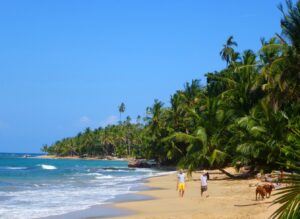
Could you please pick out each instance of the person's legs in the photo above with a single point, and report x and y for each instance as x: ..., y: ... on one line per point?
x: 204, y: 191
x: 181, y: 189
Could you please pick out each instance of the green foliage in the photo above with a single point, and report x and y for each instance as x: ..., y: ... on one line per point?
x: 289, y: 198
x: 121, y: 140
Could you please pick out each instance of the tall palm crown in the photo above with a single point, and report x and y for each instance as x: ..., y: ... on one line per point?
x: 227, y: 53
x: 290, y: 23
x: 121, y: 110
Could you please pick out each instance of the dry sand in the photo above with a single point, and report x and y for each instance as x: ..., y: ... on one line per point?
x: 227, y: 199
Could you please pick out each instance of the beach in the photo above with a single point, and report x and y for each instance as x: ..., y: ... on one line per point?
x: 77, y: 189
x: 227, y: 199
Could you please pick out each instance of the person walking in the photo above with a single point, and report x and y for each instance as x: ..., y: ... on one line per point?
x: 203, y: 180
x: 180, y: 183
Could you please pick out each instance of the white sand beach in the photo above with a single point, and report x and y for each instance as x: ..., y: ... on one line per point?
x: 227, y: 199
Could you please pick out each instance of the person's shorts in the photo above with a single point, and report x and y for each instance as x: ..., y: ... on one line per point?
x: 203, y: 188
x: 181, y: 186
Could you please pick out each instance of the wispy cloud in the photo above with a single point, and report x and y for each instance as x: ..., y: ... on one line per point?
x: 110, y: 120
x: 85, y: 120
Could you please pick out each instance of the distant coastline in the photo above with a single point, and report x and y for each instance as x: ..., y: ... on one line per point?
x: 75, y: 157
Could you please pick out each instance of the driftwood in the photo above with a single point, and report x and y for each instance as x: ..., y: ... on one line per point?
x: 238, y: 176
x: 142, y: 163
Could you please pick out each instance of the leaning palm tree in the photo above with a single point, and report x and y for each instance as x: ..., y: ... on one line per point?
x: 202, y: 147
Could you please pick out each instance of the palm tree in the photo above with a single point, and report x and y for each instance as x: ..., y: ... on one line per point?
x: 260, y: 137
x: 289, y: 199
x: 227, y: 53
x: 121, y: 110
x: 202, y: 147
x: 177, y: 112
x: 189, y: 99
x: 290, y: 23
x: 156, y: 128
x: 138, y: 119
x: 87, y: 142
x: 238, y: 87
x: 282, y: 60
x: 45, y: 148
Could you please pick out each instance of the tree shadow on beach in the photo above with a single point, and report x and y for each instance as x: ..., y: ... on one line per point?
x: 253, y: 204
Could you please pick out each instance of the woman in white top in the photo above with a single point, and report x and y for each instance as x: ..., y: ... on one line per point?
x: 203, y: 180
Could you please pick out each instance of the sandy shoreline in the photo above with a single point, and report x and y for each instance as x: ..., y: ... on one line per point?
x: 227, y: 199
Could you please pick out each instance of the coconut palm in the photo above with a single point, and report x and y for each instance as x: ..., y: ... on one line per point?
x: 227, y: 53
x: 289, y: 199
x: 121, y: 110
x: 202, y: 147
x: 290, y: 23
x: 156, y: 129
x: 281, y: 60
x: 238, y: 87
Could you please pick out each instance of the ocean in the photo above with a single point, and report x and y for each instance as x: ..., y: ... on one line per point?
x: 31, y: 187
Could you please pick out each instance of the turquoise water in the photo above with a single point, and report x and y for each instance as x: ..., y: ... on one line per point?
x: 33, y: 187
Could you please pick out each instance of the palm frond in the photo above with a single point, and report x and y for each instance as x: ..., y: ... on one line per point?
x: 289, y: 199
x: 217, y: 156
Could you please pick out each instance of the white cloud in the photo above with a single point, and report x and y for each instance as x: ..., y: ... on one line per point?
x: 110, y: 120
x: 85, y: 120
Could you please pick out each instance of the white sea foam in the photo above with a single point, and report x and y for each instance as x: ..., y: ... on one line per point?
x: 69, y: 192
x: 104, y: 177
x: 48, y: 167
x: 15, y: 168
x: 59, y: 200
x: 117, y: 170
x: 94, y: 174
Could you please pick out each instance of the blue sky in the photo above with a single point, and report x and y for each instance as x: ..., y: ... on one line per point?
x: 67, y: 65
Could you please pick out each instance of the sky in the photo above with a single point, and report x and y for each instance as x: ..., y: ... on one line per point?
x: 67, y: 65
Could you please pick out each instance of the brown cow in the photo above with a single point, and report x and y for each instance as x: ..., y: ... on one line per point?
x: 260, y: 190
x: 268, y: 188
